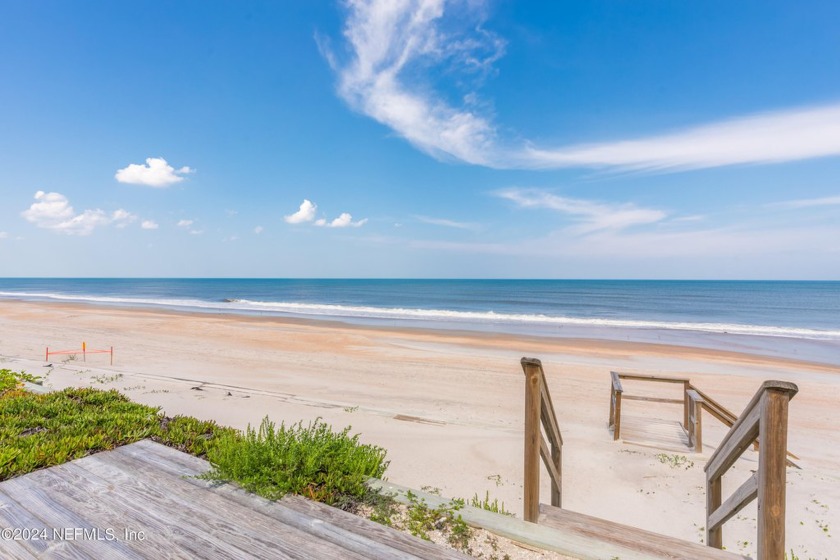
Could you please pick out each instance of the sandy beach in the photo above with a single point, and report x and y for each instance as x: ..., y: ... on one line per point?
x: 448, y: 406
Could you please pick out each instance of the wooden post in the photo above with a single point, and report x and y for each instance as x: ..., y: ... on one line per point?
x: 713, y: 500
x: 611, y: 421
x: 556, y: 490
x: 686, y: 387
x: 771, y: 474
x: 532, y: 442
x: 112, y: 355
x: 84, y: 351
x: 698, y: 427
x: 47, y: 359
x: 617, y: 422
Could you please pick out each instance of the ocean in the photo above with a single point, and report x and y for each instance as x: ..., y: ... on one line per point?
x: 794, y: 319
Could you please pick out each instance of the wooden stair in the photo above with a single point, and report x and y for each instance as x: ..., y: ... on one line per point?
x: 152, y: 490
x: 612, y: 540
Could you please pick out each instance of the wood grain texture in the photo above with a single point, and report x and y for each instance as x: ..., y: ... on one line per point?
x: 622, y: 537
x: 150, y: 488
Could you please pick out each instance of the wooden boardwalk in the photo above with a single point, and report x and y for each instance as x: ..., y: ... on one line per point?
x: 140, y: 501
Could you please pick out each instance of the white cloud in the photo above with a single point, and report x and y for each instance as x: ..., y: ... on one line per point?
x: 344, y: 220
x: 306, y: 213
x: 258, y: 230
x: 53, y: 211
x: 446, y: 223
x: 156, y: 173
x: 809, y: 202
x: 149, y: 224
x: 122, y: 218
x: 4, y: 235
x: 185, y: 223
x: 392, y: 43
x: 593, y: 216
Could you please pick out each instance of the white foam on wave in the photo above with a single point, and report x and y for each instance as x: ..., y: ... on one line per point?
x: 439, y: 315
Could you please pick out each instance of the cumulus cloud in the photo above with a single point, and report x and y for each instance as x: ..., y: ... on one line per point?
x: 258, y: 230
x: 156, y: 173
x: 344, y: 220
x: 592, y: 216
x: 53, y: 211
x: 392, y: 44
x: 149, y: 224
x: 306, y: 213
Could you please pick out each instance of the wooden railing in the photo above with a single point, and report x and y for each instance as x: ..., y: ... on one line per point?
x: 765, y: 418
x: 694, y: 403
x: 616, y: 396
x: 539, y: 411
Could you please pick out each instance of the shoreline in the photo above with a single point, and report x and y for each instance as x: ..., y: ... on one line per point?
x: 554, y: 343
x: 448, y: 406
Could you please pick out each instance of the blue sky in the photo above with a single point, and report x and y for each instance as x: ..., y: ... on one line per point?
x: 420, y: 139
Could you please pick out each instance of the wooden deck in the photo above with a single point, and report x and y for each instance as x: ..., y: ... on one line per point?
x: 139, y: 501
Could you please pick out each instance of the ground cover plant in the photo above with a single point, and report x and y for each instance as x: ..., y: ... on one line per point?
x: 42, y: 430
x: 312, y: 461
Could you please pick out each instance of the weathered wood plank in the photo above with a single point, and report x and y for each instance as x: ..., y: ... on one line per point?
x: 604, y: 534
x: 530, y: 534
x: 165, y: 536
x: 772, y: 473
x: 55, y: 515
x: 739, y: 437
x: 533, y: 435
x: 407, y: 544
x: 240, y: 527
x: 646, y: 377
x: 13, y: 515
x: 734, y: 503
x: 651, y: 399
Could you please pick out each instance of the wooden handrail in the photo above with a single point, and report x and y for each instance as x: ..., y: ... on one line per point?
x: 615, y: 405
x: 539, y: 412
x: 765, y: 417
x: 694, y: 427
x: 616, y: 396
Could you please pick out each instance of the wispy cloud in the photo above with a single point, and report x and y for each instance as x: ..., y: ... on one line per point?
x: 808, y: 202
x: 185, y: 223
x: 258, y: 230
x: 591, y: 215
x: 4, y: 235
x: 392, y: 43
x: 446, y: 223
x: 149, y: 224
x: 53, y: 211
x: 156, y: 173
x: 306, y: 213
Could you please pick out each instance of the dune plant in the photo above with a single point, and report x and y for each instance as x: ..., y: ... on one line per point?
x: 313, y: 461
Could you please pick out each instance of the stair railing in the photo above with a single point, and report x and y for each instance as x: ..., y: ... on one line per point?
x: 539, y: 415
x: 765, y: 418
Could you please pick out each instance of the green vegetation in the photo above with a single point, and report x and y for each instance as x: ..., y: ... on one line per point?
x: 420, y: 520
x: 11, y: 380
x: 495, y: 506
x: 312, y: 461
x: 38, y: 431
x: 675, y: 461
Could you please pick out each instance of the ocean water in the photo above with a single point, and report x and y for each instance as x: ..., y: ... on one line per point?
x: 790, y: 318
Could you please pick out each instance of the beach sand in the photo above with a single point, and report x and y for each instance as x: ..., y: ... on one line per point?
x: 448, y: 406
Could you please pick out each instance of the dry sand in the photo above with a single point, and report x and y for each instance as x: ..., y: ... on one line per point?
x: 448, y: 406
